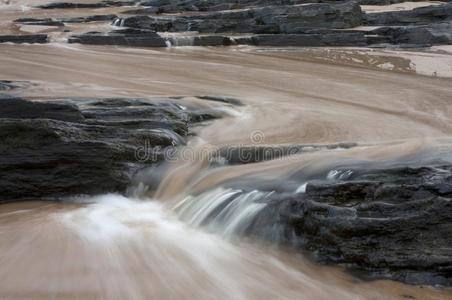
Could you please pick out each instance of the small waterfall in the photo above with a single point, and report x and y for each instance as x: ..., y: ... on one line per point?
x: 119, y: 22
x: 235, y: 212
x: 226, y: 211
x: 179, y: 41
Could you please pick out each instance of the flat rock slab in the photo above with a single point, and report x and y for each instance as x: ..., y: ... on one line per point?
x: 72, y: 5
x: 264, y: 19
x: 61, y: 21
x: 306, y: 40
x: 126, y: 37
x: 432, y: 34
x: 20, y: 39
x: 419, y: 16
x: 67, y: 147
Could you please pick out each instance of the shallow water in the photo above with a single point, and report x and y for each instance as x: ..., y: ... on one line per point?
x: 118, y: 248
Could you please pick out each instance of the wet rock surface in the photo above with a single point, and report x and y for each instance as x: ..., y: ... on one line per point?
x: 261, y: 23
x: 420, y: 16
x: 69, y: 5
x: 7, y: 85
x: 385, y: 222
x: 41, y: 22
x: 26, y: 38
x: 271, y: 19
x: 306, y: 40
x: 125, y: 37
x: 234, y: 155
x: 67, y: 147
x: 293, y: 23
x: 432, y: 34
x: 61, y: 21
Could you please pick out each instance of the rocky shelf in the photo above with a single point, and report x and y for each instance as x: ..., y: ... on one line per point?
x: 378, y: 221
x: 52, y: 148
x: 159, y: 23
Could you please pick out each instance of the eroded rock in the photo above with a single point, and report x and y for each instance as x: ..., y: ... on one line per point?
x: 432, y: 34
x: 66, y: 147
x: 267, y: 19
x: 125, y: 37
x: 417, y: 16
x: 386, y: 223
x: 28, y: 38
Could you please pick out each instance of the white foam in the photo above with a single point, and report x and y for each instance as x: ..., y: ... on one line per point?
x: 224, y: 211
x: 301, y: 188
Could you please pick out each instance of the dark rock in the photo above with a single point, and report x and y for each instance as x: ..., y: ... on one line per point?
x: 391, y: 223
x: 29, y: 38
x: 175, y: 6
x: 126, y: 37
x: 288, y: 23
x: 203, y: 40
x: 379, y: 2
x: 159, y: 24
x: 42, y: 22
x: 220, y: 7
x: 234, y: 155
x: 268, y: 19
x: 95, y: 18
x: 71, y: 5
x: 375, y: 39
x: 60, y: 22
x: 321, y: 15
x: 142, y: 11
x: 234, y: 26
x: 20, y: 109
x: 228, y: 100
x: 417, y: 16
x: 66, y: 147
x: 205, y: 115
x: 213, y: 40
x: 306, y: 40
x: 433, y: 34
x: 171, y: 6
x: 7, y: 85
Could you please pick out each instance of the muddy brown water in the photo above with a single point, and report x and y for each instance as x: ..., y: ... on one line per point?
x: 115, y: 247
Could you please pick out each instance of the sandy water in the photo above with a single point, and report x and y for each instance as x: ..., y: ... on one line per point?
x: 113, y: 247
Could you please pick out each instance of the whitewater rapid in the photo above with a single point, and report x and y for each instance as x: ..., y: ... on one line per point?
x: 113, y: 247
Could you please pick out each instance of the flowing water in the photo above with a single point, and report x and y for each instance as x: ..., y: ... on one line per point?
x: 164, y: 244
